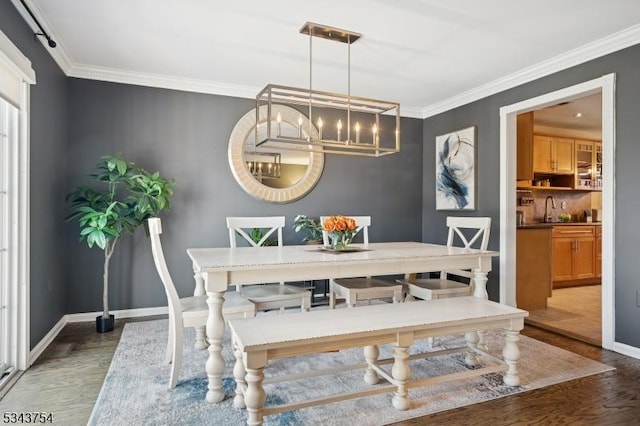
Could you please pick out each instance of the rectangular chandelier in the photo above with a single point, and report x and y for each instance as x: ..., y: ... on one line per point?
x: 264, y: 165
x: 334, y: 123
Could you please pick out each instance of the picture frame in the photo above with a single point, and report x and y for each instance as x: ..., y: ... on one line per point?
x: 456, y: 172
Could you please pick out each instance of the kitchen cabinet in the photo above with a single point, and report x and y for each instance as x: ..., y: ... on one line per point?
x: 588, y: 166
x: 574, y: 255
x: 598, y: 269
x: 553, y: 155
x: 533, y: 268
x: 524, y: 169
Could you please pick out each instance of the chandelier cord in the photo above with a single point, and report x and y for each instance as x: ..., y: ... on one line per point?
x: 310, y: 80
x: 348, y: 89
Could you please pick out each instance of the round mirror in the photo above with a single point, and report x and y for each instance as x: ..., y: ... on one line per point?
x: 271, y: 173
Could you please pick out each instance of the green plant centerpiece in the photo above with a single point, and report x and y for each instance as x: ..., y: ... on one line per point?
x: 125, y: 196
x: 312, y: 226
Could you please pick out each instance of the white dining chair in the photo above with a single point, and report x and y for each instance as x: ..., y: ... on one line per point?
x: 471, y: 232
x: 266, y: 296
x: 188, y: 311
x: 353, y: 290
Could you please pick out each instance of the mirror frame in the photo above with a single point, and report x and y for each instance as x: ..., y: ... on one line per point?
x: 243, y: 176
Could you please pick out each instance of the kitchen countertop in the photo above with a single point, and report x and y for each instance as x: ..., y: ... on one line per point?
x: 539, y: 225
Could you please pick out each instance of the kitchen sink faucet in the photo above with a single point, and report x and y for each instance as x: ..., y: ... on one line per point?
x: 547, y: 213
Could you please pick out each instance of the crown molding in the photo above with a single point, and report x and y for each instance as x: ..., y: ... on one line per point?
x: 410, y: 112
x: 162, y: 81
x: 596, y: 49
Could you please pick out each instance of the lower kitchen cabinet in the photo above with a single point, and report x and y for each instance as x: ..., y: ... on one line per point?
x: 574, y: 255
x: 598, y: 251
x: 533, y: 268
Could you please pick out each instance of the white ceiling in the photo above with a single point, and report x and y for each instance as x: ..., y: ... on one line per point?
x: 582, y: 116
x: 428, y: 55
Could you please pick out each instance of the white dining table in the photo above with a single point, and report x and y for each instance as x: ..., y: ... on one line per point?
x: 217, y: 268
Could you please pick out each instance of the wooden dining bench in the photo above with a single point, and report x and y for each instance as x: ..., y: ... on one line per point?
x: 258, y: 340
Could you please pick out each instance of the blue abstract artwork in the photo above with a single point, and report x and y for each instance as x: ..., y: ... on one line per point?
x: 456, y: 170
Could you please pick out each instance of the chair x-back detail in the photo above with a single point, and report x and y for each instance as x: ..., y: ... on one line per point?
x: 187, y: 311
x: 266, y: 296
x: 363, y: 288
x: 467, y: 232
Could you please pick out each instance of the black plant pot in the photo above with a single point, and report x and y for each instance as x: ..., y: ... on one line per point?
x: 105, y: 325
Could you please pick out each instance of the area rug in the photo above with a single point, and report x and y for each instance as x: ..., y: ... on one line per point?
x: 135, y: 389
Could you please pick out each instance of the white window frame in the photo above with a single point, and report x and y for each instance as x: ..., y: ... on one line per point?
x: 15, y: 65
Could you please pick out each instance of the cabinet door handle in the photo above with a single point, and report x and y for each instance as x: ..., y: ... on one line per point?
x: 575, y: 232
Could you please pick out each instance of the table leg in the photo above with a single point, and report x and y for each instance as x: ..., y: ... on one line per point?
x: 215, y: 362
x: 200, y: 330
x: 511, y: 354
x: 480, y: 291
x: 480, y: 284
x: 472, y: 338
x: 371, y: 354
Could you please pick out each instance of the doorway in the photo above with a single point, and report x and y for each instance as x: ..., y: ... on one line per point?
x: 508, y: 114
x: 567, y: 291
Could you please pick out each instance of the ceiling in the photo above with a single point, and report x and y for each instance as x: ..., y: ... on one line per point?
x: 429, y: 55
x: 581, y: 117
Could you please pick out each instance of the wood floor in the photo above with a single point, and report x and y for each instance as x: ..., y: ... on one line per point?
x: 574, y: 312
x: 67, y: 378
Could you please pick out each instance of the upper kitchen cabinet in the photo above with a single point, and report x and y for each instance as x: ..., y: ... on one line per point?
x: 588, y: 165
x: 525, y: 146
x: 553, y: 155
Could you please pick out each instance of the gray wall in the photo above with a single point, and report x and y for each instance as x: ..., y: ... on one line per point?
x: 48, y: 165
x: 185, y: 136
x: 485, y: 114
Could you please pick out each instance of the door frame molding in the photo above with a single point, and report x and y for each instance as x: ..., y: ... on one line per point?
x: 22, y: 76
x: 508, y: 113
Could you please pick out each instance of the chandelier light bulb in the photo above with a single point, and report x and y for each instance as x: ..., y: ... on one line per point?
x: 300, y: 126
x: 279, y: 121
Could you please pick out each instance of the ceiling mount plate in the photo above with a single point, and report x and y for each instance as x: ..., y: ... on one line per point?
x: 330, y: 33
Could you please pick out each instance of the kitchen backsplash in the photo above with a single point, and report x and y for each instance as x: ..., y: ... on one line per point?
x: 576, y: 203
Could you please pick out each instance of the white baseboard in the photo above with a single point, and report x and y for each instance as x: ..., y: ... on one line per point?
x: 46, y: 340
x: 124, y: 313
x: 85, y: 317
x: 626, y: 350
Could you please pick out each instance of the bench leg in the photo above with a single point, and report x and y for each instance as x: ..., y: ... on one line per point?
x: 472, y: 339
x: 239, y: 374
x: 400, y: 374
x: 255, y: 396
x: 371, y: 354
x: 511, y: 354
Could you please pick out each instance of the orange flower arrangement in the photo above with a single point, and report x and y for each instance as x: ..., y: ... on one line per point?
x: 342, y: 229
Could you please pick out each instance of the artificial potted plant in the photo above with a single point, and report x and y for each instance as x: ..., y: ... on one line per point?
x: 312, y: 226
x: 127, y: 196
